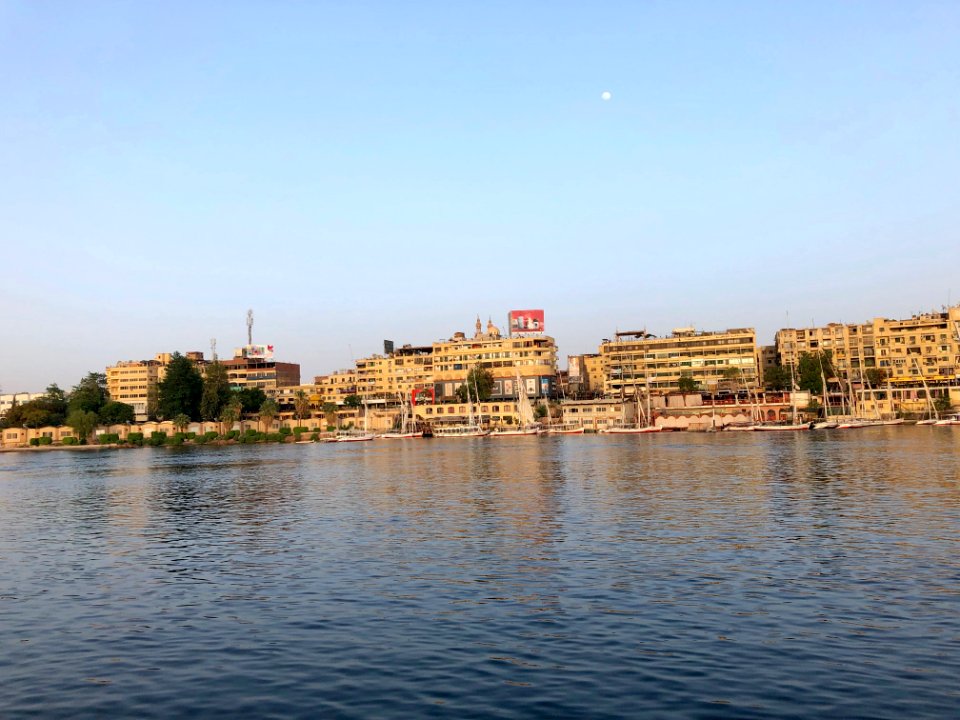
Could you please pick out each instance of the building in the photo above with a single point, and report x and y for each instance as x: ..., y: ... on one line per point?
x: 634, y: 361
x: 253, y: 366
x: 8, y: 400
x: 584, y: 375
x: 908, y: 359
x: 598, y: 413
x: 134, y: 382
x: 533, y: 357
x: 335, y: 387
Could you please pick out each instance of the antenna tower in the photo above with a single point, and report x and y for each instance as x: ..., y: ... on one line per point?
x: 250, y: 327
x: 213, y: 349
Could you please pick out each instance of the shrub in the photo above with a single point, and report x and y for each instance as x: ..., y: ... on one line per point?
x: 276, y: 437
x: 45, y: 440
x: 68, y: 440
x: 108, y: 438
x: 301, y: 429
x: 315, y: 437
x: 285, y: 431
x: 135, y: 438
x: 191, y: 436
x: 177, y: 439
x: 233, y: 435
x: 157, y: 438
x: 34, y: 442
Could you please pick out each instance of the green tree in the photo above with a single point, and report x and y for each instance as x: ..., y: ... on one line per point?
x: 478, y: 385
x: 812, y: 368
x: 116, y: 413
x: 330, y: 413
x: 876, y: 376
x: 251, y: 399
x: 942, y: 404
x: 180, y: 390
x: 83, y: 423
x: 90, y: 394
x: 216, y: 391
x: 181, y: 422
x: 776, y: 378
x: 267, y: 413
x: 352, y: 401
x: 48, y: 409
x: 686, y: 383
x: 301, y: 405
x: 231, y: 413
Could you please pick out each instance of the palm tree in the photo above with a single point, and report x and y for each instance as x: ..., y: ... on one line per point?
x: 230, y: 414
x: 181, y: 422
x: 268, y: 411
x: 301, y: 405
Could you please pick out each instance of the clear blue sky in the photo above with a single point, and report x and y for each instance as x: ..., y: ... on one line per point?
x: 356, y: 171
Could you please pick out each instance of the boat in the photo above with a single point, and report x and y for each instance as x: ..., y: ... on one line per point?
x: 357, y: 435
x: 527, y: 423
x: 788, y: 427
x: 646, y: 427
x: 951, y: 420
x: 408, y: 426
x: 566, y: 429
x: 472, y: 428
x: 932, y: 415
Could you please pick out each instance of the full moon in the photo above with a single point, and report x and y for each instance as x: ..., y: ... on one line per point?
x: 606, y: 95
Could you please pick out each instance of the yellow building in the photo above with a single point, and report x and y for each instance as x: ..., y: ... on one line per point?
x: 585, y: 375
x: 635, y: 360
x: 335, y: 387
x: 534, y: 357
x: 134, y: 382
x: 852, y: 347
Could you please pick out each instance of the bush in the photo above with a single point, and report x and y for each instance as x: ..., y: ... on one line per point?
x: 191, y: 436
x: 233, y: 435
x: 108, y: 438
x: 277, y: 437
x: 157, y: 438
x: 69, y: 440
x: 34, y: 442
x: 285, y: 431
x: 315, y: 437
x: 177, y: 439
x: 135, y: 438
x: 301, y: 429
x: 45, y: 440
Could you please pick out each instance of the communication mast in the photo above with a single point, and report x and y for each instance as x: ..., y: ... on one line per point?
x: 213, y: 349
x: 250, y: 327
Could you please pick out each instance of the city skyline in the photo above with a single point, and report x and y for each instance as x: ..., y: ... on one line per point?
x: 364, y: 173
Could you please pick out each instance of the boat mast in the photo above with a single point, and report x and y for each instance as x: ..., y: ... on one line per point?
x: 931, y: 408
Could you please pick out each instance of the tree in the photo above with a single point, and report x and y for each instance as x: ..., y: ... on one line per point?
x: 301, y: 405
x: 352, y: 401
x: 478, y: 385
x: 942, y: 404
x: 541, y: 411
x: 776, y: 378
x: 216, y: 391
x: 49, y: 409
x: 812, y: 368
x: 115, y: 413
x: 251, y: 399
x: 876, y: 376
x: 83, y: 423
x: 231, y: 413
x: 181, y: 422
x: 90, y: 394
x: 686, y: 383
x: 180, y: 390
x: 330, y: 413
x: 268, y: 411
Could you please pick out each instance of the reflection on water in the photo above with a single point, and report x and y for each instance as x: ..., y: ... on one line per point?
x: 739, y: 575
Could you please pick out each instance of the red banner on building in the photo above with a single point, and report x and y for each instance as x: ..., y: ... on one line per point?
x: 526, y: 322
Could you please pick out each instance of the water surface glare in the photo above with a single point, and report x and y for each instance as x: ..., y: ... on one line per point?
x: 733, y: 575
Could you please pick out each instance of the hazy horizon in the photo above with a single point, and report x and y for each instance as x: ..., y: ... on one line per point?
x: 370, y: 171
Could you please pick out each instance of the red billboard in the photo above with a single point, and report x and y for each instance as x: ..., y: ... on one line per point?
x: 526, y: 322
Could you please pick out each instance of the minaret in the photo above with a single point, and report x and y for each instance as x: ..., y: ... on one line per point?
x: 479, y: 333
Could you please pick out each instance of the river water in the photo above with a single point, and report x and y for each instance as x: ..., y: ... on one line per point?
x: 731, y: 575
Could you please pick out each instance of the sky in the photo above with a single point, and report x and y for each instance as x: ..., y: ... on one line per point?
x: 361, y: 171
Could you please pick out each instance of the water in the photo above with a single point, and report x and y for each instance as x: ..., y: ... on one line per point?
x: 741, y: 575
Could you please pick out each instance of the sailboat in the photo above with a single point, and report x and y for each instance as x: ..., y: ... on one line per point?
x: 644, y: 419
x: 826, y: 423
x: 408, y: 425
x: 358, y: 436
x: 933, y: 415
x: 472, y: 428
x: 527, y: 423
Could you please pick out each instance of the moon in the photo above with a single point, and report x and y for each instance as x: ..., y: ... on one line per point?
x: 606, y: 95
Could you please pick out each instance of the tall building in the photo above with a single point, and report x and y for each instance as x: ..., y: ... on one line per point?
x: 636, y: 360
x: 134, y: 382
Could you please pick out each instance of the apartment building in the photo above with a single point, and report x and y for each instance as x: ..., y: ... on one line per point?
x: 134, y: 382
x: 336, y: 386
x: 584, y: 375
x: 636, y: 360
x: 7, y: 400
